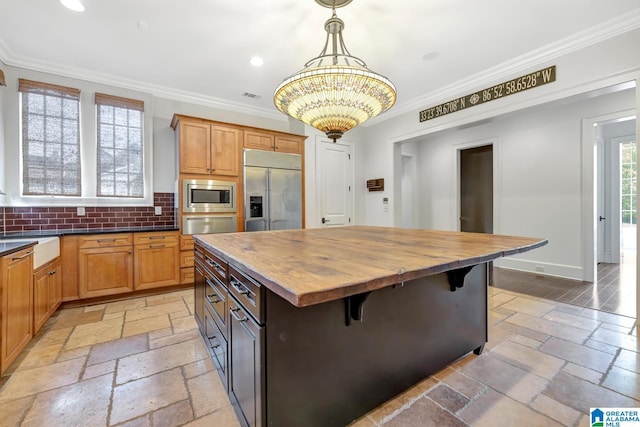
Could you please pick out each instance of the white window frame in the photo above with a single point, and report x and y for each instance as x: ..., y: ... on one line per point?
x: 52, y: 92
x: 128, y: 105
x: 88, y: 138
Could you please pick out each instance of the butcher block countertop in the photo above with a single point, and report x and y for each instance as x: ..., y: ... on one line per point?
x: 313, y: 266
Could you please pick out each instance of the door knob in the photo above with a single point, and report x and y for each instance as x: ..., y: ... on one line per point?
x: 602, y: 218
x: 325, y: 220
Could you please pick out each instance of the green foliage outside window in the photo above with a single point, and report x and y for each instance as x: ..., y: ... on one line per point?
x: 628, y: 155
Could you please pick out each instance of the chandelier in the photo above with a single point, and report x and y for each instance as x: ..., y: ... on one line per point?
x: 335, y: 91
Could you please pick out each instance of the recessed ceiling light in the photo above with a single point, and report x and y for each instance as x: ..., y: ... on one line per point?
x: 256, y: 61
x: 74, y: 5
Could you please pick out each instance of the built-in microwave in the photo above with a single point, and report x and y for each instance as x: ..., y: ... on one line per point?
x: 205, y: 195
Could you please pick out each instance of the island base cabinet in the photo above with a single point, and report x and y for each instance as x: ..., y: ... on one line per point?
x: 246, y: 365
x: 217, y: 346
x: 322, y: 372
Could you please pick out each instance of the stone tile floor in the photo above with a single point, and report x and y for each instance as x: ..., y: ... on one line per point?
x: 141, y: 362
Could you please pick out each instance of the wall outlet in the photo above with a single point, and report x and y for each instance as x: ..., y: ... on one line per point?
x: 158, y: 210
x: 81, y: 211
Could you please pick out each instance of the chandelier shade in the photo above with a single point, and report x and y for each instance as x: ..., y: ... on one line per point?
x: 337, y: 96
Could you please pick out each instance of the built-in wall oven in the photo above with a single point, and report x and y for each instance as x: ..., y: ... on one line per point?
x: 207, y: 224
x: 208, y: 206
x: 207, y: 195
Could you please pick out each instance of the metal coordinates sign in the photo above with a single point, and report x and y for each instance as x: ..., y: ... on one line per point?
x: 528, y: 81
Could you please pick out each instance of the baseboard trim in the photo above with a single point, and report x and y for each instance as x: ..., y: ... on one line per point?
x: 542, y: 268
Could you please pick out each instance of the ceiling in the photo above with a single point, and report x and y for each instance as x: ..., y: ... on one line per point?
x: 199, y: 50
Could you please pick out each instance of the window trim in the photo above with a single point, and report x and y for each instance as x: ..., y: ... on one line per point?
x: 29, y: 87
x: 102, y: 99
x: 88, y: 126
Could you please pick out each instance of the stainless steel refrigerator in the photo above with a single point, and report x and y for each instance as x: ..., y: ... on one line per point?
x: 272, y: 190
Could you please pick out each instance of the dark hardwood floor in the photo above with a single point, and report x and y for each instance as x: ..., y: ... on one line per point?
x: 614, y: 290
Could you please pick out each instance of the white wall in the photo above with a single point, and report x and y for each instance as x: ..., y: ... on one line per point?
x: 538, y: 175
x: 609, y: 62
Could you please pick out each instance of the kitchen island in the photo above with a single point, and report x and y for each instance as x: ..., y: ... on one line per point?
x: 319, y: 326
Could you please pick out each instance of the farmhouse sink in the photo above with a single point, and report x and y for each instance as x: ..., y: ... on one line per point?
x: 47, y: 248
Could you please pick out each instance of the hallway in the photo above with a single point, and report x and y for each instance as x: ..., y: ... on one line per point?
x: 614, y: 291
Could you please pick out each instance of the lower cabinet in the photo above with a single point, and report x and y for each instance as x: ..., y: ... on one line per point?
x: 246, y: 364
x: 47, y: 292
x: 16, y: 279
x: 186, y: 259
x: 110, y: 264
x: 105, y: 264
x: 229, y: 312
x: 156, y: 260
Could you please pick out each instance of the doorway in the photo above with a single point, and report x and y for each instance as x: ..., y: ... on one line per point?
x: 476, y: 189
x: 616, y: 190
x: 408, y: 190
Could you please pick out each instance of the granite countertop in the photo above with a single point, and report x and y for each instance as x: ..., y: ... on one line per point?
x: 312, y: 266
x: 7, y: 248
x: 75, y: 231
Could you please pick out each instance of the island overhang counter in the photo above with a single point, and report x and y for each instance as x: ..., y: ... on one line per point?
x: 319, y: 326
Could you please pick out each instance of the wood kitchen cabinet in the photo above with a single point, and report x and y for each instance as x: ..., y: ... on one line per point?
x: 207, y: 149
x: 156, y: 257
x: 186, y: 259
x: 16, y: 276
x: 105, y: 264
x: 47, y: 292
x: 272, y: 141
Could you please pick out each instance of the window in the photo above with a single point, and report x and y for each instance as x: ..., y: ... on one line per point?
x: 50, y: 139
x: 120, y: 170
x: 628, y: 154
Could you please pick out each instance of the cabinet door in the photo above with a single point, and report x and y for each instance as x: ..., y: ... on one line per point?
x: 225, y: 150
x: 105, y: 271
x: 195, y: 148
x: 156, y: 265
x: 40, y: 298
x: 199, y: 295
x: 288, y: 144
x: 17, y: 305
x: 69, y: 267
x: 261, y: 141
x: 246, y: 364
x: 47, y: 292
x: 55, y: 286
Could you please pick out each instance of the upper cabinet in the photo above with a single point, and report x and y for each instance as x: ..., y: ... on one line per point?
x: 272, y: 141
x: 208, y: 149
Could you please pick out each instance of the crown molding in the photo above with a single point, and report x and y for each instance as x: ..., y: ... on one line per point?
x: 603, y: 31
x: 523, y: 63
x: 11, y: 60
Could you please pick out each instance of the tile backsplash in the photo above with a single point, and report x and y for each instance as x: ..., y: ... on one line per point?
x: 34, y: 218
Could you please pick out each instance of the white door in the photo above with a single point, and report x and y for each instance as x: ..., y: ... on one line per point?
x: 334, y: 178
x: 600, y: 200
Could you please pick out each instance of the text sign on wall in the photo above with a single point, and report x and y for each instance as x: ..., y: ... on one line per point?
x: 528, y: 81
